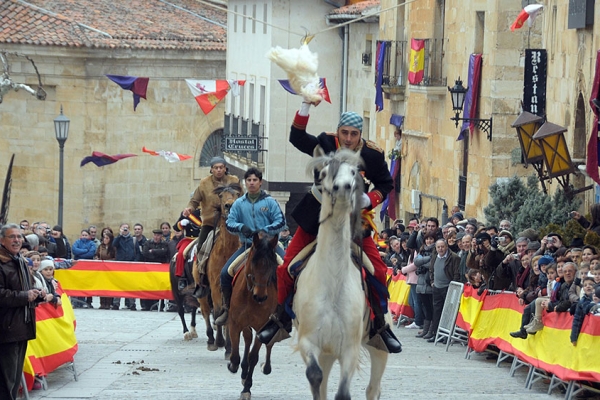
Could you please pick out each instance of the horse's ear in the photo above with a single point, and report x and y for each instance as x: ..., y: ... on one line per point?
x: 256, y: 239
x: 318, y: 151
x: 274, y: 242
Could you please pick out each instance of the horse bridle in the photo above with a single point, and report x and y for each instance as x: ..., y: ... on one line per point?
x: 251, y: 282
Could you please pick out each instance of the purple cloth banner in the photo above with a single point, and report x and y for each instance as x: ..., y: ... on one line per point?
x: 472, y: 96
x: 397, y: 120
x: 379, y: 71
x: 137, y: 85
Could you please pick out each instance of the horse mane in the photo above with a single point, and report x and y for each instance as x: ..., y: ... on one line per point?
x: 333, y: 161
x: 264, y: 251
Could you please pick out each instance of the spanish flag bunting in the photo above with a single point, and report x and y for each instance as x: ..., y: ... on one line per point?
x: 416, y: 69
x: 168, y: 155
x: 210, y: 93
x: 399, y: 291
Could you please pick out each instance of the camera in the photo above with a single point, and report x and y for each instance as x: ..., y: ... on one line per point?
x: 41, y: 298
x: 501, y: 239
x: 572, y: 214
x: 516, y: 256
x: 494, y: 242
x: 48, y: 231
x: 550, y: 240
x: 479, y: 241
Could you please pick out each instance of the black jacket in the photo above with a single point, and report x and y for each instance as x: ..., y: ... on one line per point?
x: 159, y: 253
x: 17, y: 314
x: 306, y: 213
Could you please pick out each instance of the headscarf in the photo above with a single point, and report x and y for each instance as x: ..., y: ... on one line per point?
x: 350, y: 118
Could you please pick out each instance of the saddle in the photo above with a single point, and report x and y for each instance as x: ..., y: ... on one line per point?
x: 298, y: 263
x: 240, y: 261
x: 201, y: 260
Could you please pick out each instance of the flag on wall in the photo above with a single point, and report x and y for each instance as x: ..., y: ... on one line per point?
x: 379, y: 66
x: 591, y: 163
x: 136, y: 84
x: 168, y: 155
x: 527, y: 14
x: 472, y: 96
x: 285, y: 83
x: 101, y: 159
x: 210, y: 93
x: 416, y: 69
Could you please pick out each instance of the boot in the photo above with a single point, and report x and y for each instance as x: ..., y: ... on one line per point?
x: 226, y: 294
x: 520, y: 334
x: 426, y: 325
x: 530, y: 324
x: 430, y: 335
x: 281, y: 320
x: 391, y: 341
x: 181, y: 284
x: 536, y: 325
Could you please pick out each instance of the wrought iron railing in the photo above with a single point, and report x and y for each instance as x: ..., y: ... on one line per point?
x: 434, y: 63
x: 462, y: 191
x: 395, y: 63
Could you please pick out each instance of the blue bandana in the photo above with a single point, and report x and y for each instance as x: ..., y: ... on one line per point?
x: 352, y: 119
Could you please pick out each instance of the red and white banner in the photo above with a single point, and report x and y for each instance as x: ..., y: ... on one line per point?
x: 210, y: 93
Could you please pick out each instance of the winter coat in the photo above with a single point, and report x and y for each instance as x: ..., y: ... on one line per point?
x: 208, y: 201
x: 104, y: 252
x: 83, y: 249
x: 422, y: 270
x: 17, y: 314
x: 583, y: 308
x: 159, y: 253
x: 263, y: 214
x: 138, y: 247
x: 411, y: 273
x: 587, y: 225
x: 125, y: 248
x: 451, y: 266
x: 567, y: 295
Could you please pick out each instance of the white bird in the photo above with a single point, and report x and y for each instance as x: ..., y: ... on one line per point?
x: 301, y: 68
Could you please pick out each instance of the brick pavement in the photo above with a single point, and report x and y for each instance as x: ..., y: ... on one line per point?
x: 142, y: 355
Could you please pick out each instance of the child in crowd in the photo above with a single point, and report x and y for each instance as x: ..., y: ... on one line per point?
x: 585, y: 305
x: 584, y: 269
x: 474, y: 278
x: 33, y: 261
x: 551, y: 273
x: 47, y: 270
x: 595, y: 272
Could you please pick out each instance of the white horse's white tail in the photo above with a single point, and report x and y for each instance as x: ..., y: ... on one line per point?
x: 330, y: 307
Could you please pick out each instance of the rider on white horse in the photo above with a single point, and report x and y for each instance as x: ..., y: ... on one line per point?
x: 306, y: 214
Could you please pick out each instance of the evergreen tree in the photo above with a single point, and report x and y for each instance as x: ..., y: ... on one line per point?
x: 526, y: 206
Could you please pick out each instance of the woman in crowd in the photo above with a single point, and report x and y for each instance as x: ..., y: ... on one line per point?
x: 424, y: 288
x: 63, y: 247
x: 595, y: 224
x: 106, y: 252
x: 588, y: 252
x: 165, y: 227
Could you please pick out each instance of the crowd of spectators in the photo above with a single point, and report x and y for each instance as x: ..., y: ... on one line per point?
x: 546, y: 274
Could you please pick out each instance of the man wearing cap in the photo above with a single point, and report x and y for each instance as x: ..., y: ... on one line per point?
x: 348, y: 136
x: 205, y: 199
x: 285, y: 237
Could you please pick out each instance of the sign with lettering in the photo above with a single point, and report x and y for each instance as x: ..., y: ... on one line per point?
x: 241, y: 143
x: 534, y: 83
x: 581, y: 13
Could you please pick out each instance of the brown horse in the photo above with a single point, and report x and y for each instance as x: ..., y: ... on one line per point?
x: 253, y: 300
x: 225, y: 245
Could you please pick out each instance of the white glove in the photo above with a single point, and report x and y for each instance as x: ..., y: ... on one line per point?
x: 304, y: 109
x: 365, y: 201
x: 184, y: 222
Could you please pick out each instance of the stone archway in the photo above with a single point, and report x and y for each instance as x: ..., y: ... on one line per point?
x: 211, y: 148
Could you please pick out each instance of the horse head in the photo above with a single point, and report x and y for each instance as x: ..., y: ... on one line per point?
x: 228, y: 195
x: 341, y: 184
x: 261, y: 265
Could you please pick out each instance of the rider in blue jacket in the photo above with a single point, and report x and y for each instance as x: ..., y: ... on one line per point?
x: 253, y: 212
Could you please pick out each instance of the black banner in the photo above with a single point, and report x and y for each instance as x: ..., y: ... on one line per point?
x: 534, y: 83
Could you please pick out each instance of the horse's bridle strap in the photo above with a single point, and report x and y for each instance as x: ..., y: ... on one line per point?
x: 315, y: 190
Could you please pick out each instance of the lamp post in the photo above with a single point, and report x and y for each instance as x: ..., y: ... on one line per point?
x: 61, y: 130
x: 459, y: 93
x: 527, y: 125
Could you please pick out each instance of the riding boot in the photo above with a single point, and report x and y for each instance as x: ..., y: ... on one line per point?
x: 226, y: 295
x: 426, y: 325
x: 181, y: 284
x: 278, y: 322
x: 383, y: 338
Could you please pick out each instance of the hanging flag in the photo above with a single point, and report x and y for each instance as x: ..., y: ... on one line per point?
x: 168, y: 155
x: 101, y: 159
x: 527, y: 14
x: 285, y: 83
x: 136, y: 84
x: 389, y: 204
x: 416, y: 68
x: 379, y: 67
x: 591, y: 163
x: 210, y: 93
x: 397, y: 120
x: 472, y: 95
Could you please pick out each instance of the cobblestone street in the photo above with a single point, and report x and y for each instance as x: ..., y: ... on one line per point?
x: 142, y: 355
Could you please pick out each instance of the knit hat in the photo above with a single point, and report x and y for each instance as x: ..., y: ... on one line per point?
x: 457, y: 215
x: 504, y: 232
x: 352, y: 119
x: 545, y: 260
x: 46, y: 264
x: 577, y: 242
x: 534, y: 246
x: 217, y: 160
x: 460, y: 235
x: 484, y: 236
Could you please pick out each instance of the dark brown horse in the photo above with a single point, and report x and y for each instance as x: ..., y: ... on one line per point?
x: 225, y: 245
x: 253, y: 300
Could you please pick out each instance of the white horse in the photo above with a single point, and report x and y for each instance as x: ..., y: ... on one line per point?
x: 332, y: 317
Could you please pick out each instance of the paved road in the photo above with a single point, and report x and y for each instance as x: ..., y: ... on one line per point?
x: 114, y: 345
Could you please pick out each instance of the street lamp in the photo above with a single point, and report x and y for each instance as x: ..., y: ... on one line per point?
x: 527, y: 125
x: 61, y: 130
x: 458, y: 93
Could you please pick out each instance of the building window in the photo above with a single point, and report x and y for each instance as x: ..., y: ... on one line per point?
x: 211, y: 148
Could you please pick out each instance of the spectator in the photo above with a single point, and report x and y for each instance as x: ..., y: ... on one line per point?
x: 17, y: 310
x: 47, y: 271
x: 155, y: 250
x: 33, y: 240
x: 594, y: 226
x: 166, y: 230
x: 505, y: 225
x: 588, y: 252
x: 410, y: 270
x: 139, y: 240
x: 424, y: 290
x: 465, y: 243
x: 456, y: 218
x: 84, y: 249
x: 474, y: 278
x: 24, y: 224
x: 552, y: 245
x: 443, y: 269
x: 125, y: 251
x: 63, y: 247
x: 595, y: 271
x: 452, y: 242
x: 285, y: 237
x: 471, y: 228
x: 34, y: 261
x: 106, y: 252
x: 584, y: 306
x: 93, y: 230
x: 412, y: 225
x: 533, y: 247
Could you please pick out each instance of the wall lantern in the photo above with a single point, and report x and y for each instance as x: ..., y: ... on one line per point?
x: 458, y: 94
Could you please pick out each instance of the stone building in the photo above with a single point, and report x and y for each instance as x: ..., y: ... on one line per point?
x: 74, y: 44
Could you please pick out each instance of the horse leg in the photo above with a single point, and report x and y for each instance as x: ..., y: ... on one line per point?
x: 252, y: 361
x: 326, y: 362
x: 186, y: 333
x: 314, y: 373
x: 227, y: 342
x: 348, y: 364
x: 247, y: 342
x: 234, y: 359
x: 220, y: 342
x: 266, y: 367
x: 205, y: 310
x: 193, y: 330
x: 378, y: 363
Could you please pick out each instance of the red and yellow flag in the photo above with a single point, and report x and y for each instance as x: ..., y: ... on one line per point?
x: 399, y: 291
x: 416, y: 68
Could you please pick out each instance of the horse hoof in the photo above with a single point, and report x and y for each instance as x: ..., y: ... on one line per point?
x: 187, y: 336
x: 245, y: 396
x: 266, y: 369
x: 227, y: 356
x: 231, y: 368
x: 194, y: 333
x: 212, y: 347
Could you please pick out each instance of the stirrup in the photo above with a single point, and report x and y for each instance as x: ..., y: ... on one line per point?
x: 376, y: 340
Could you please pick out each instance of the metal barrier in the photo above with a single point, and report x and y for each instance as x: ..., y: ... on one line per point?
x: 447, y: 328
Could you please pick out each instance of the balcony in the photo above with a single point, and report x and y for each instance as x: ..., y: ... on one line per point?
x: 434, y: 79
x: 395, y: 69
